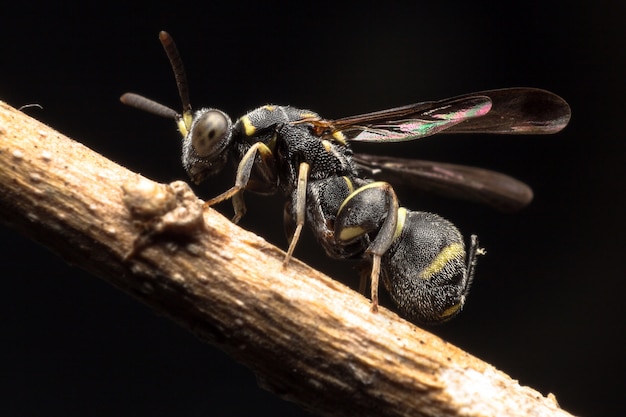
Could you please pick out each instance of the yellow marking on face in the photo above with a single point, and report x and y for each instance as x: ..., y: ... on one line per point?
x: 248, y: 127
x: 449, y: 253
x: 339, y: 137
x: 188, y: 119
x: 327, y: 145
x: 184, y: 123
x: 182, y: 127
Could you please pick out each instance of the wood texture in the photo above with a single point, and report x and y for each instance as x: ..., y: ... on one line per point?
x: 309, y: 338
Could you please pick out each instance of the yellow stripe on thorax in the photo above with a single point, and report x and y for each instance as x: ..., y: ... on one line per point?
x: 339, y: 137
x: 248, y: 126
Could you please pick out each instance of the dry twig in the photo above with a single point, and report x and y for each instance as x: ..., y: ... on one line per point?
x: 309, y: 338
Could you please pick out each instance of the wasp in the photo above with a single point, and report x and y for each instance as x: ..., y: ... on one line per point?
x: 420, y: 257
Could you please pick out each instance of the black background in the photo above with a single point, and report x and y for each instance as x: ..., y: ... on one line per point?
x: 547, y: 303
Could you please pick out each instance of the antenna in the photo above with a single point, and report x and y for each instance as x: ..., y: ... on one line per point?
x: 179, y: 70
x: 183, y: 120
x: 147, y: 105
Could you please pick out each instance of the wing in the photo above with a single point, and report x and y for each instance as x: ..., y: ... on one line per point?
x: 519, y: 111
x: 504, y: 111
x: 457, y: 181
x: 413, y: 121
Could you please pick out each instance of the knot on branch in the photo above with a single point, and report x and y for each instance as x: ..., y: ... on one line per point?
x: 162, y: 209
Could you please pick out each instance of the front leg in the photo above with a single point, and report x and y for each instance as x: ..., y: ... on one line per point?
x: 267, y: 168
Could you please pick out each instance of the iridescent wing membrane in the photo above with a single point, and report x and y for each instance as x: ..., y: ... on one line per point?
x: 504, y: 111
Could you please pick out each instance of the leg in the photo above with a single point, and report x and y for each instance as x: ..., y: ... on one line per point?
x: 244, y: 171
x: 300, y: 209
x: 373, y: 208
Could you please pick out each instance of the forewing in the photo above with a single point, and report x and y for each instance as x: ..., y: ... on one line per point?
x: 518, y: 111
x: 457, y: 181
x: 413, y: 121
x: 505, y: 111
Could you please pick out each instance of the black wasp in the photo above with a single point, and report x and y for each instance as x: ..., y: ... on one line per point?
x: 420, y: 256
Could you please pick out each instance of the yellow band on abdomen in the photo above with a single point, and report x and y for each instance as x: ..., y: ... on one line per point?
x: 449, y: 253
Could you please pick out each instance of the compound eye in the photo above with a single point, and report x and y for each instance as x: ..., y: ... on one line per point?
x: 209, y: 132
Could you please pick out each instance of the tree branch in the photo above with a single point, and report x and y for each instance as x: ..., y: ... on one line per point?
x: 309, y: 338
